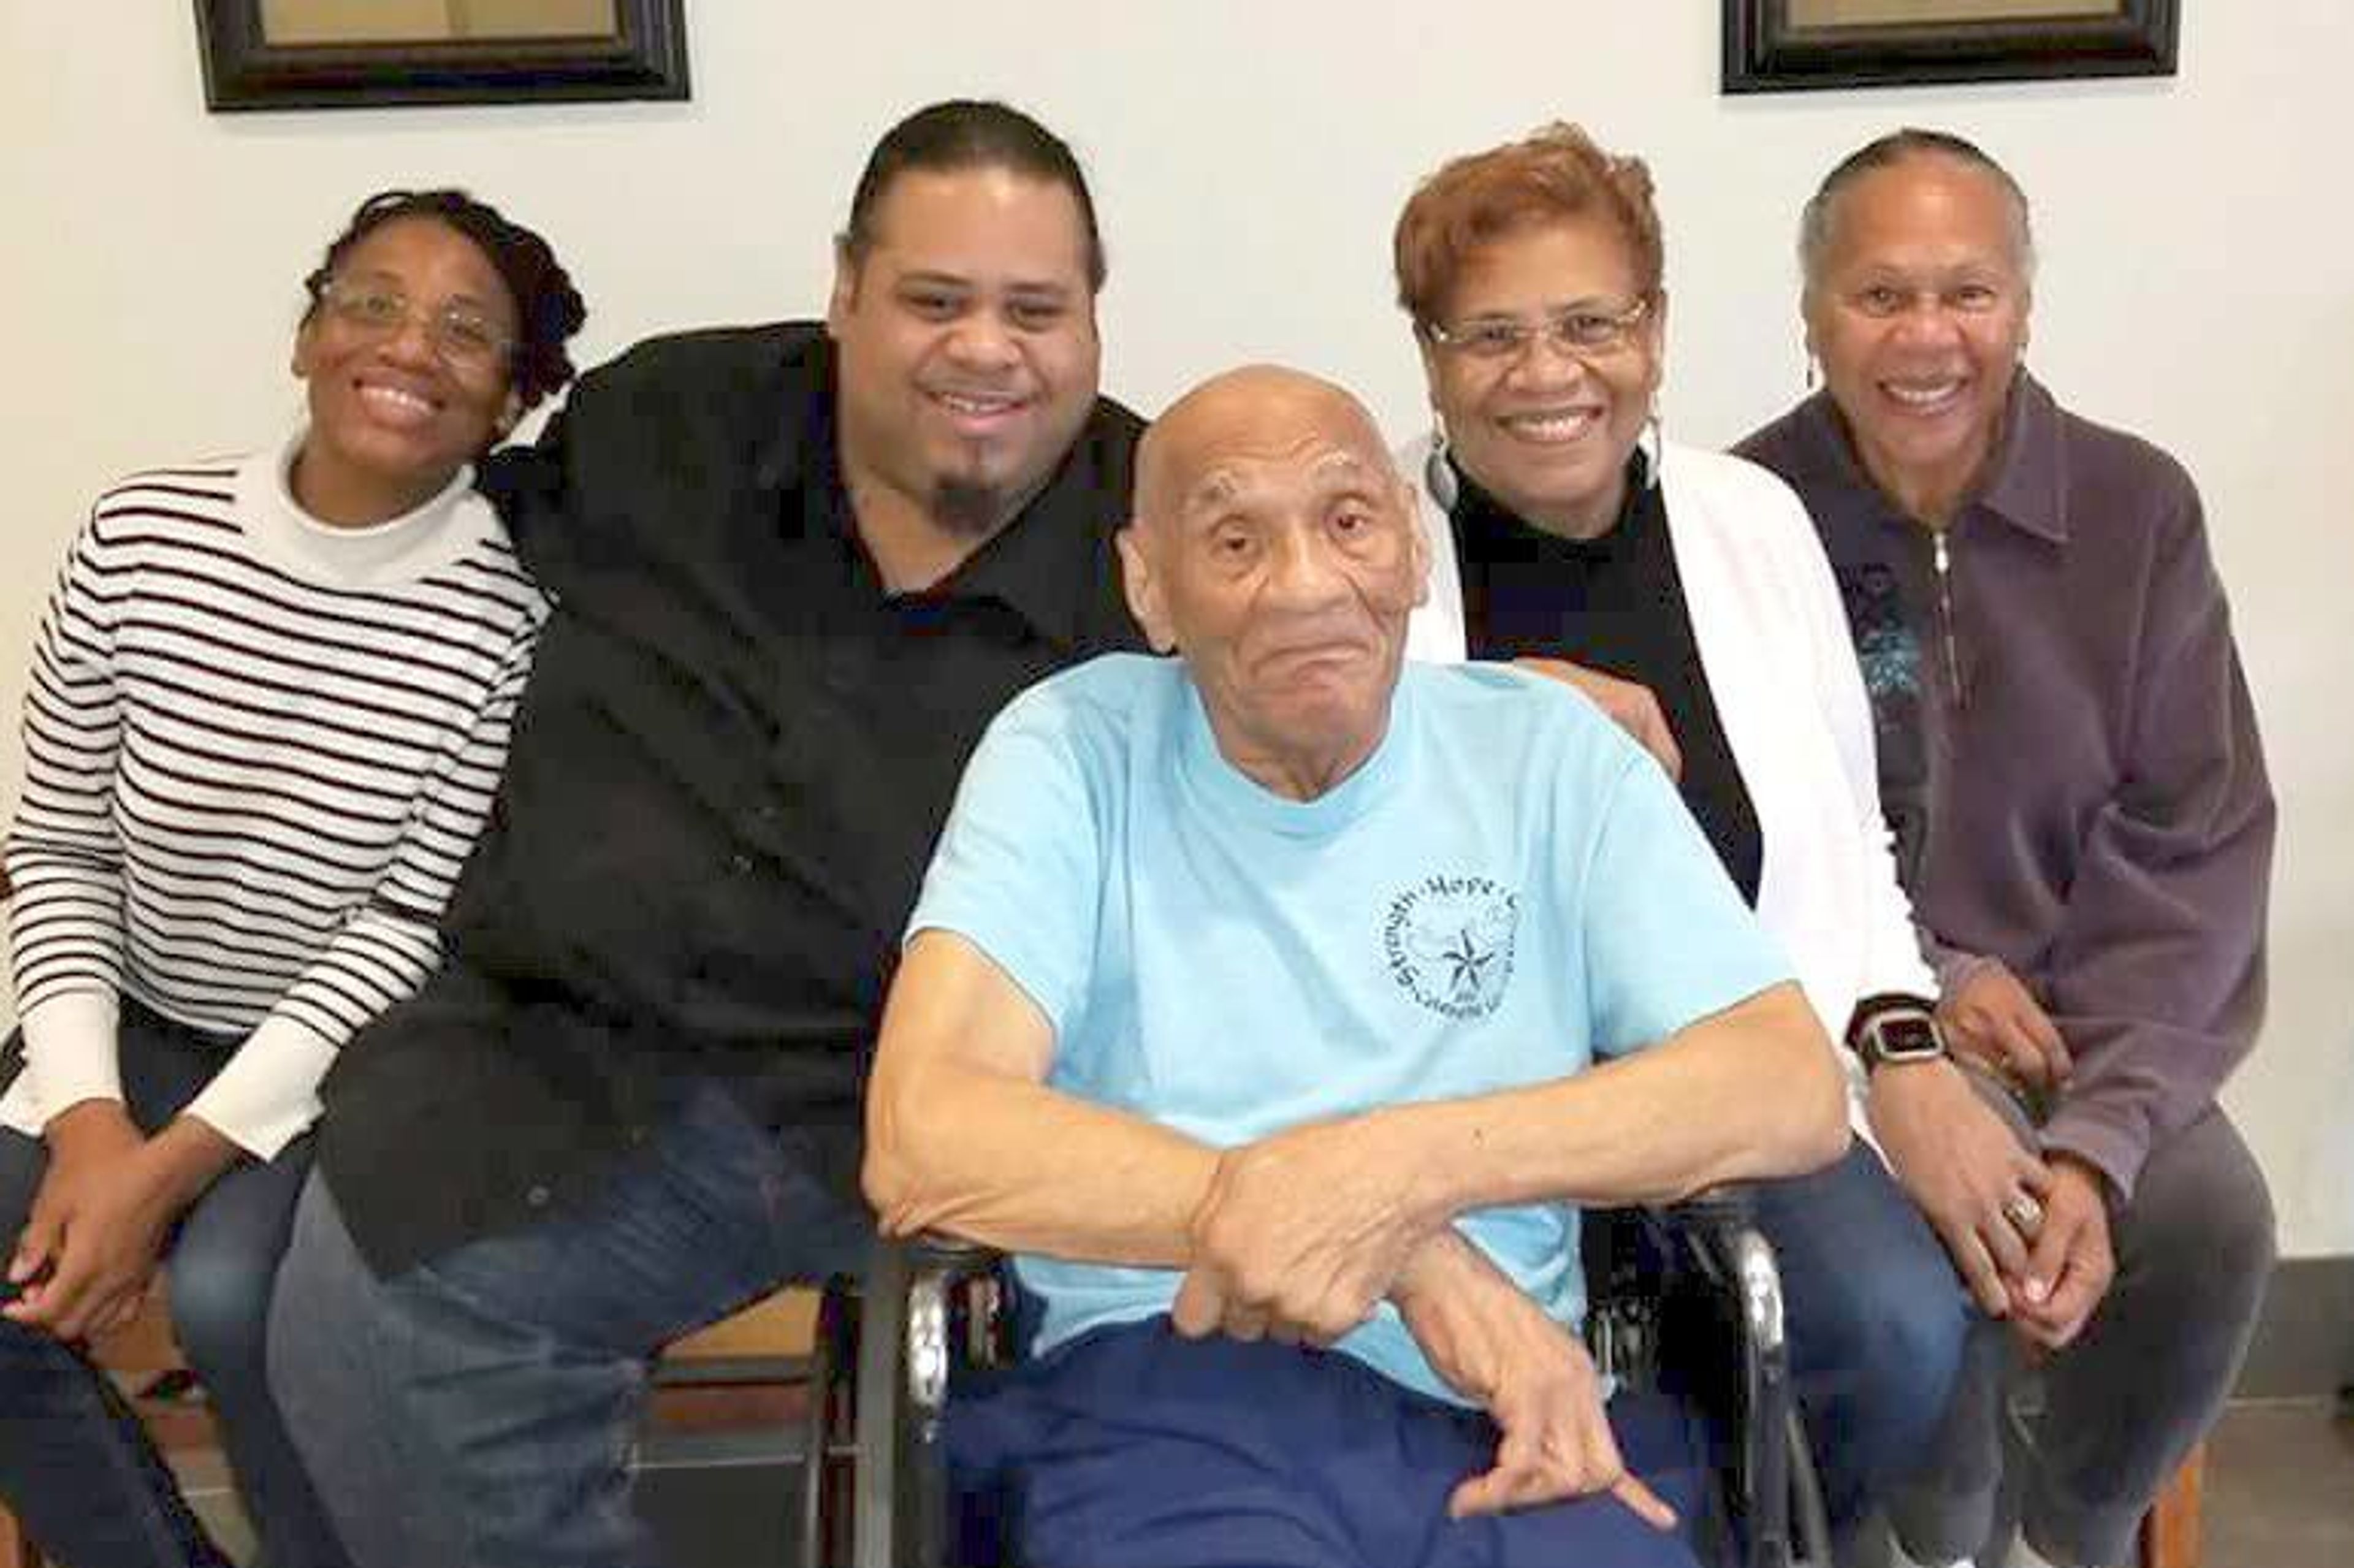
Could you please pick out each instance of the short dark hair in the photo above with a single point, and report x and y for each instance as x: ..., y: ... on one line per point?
x: 1897, y: 147
x: 970, y: 133
x: 548, y: 309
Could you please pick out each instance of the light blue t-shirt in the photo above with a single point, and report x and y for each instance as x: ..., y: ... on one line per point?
x: 1506, y: 889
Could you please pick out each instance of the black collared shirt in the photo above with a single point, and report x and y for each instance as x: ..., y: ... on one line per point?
x: 1613, y: 603
x: 734, y: 756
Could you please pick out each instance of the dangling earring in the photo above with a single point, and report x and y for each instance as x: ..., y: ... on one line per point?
x: 1653, y: 444
x: 1811, y: 373
x: 1437, y: 473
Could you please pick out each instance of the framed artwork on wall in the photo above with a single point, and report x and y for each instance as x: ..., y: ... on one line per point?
x: 1784, y: 46
x: 335, y: 54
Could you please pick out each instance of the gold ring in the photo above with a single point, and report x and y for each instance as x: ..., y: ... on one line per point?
x: 2024, y: 1212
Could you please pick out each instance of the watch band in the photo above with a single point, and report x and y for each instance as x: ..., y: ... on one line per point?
x: 1892, y: 1028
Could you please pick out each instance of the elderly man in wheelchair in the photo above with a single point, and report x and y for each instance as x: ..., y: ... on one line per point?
x: 1280, y: 1006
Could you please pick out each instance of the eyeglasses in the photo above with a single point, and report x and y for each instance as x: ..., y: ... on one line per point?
x: 464, y: 337
x: 1582, y: 331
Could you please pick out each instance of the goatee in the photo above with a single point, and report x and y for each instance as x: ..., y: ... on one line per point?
x: 970, y: 508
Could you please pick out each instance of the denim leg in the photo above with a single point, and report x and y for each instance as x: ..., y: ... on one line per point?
x: 323, y: 1332
x: 75, y: 1464
x: 480, y: 1409
x: 1953, y: 1505
x: 223, y: 1268
x: 1877, y: 1321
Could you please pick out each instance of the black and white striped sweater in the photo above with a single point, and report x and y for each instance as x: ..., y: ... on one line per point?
x: 258, y: 749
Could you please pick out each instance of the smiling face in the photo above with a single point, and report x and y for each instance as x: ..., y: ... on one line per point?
x: 967, y: 340
x: 1548, y: 431
x: 392, y: 417
x: 1919, y: 315
x: 1277, y: 550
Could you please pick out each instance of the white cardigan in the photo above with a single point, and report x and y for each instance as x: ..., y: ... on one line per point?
x: 1774, y: 646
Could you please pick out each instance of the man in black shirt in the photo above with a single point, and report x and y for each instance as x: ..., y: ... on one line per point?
x: 798, y: 570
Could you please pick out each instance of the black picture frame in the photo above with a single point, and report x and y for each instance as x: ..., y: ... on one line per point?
x: 644, y: 57
x: 1765, y: 52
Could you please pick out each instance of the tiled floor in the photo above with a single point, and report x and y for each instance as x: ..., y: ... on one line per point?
x: 2280, y: 1494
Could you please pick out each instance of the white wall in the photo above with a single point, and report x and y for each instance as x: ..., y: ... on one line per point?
x: 1249, y: 158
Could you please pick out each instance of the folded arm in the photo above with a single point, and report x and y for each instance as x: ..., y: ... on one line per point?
x: 963, y: 1135
x: 1310, y: 1227
x: 1748, y: 1092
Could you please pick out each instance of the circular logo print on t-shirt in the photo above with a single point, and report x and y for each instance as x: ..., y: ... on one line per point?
x: 1449, y: 941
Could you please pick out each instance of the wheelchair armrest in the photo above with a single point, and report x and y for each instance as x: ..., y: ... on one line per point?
x: 908, y: 1340
x: 951, y: 1254
x: 1728, y: 1205
x: 1719, y: 1229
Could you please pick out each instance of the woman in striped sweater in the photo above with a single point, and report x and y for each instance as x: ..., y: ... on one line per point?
x: 268, y: 711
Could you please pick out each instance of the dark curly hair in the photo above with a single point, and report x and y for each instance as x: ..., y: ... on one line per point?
x: 548, y: 309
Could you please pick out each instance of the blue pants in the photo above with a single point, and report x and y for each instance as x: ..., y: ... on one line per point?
x: 480, y: 1408
x: 74, y: 1464
x: 1877, y: 1324
x: 1132, y: 1446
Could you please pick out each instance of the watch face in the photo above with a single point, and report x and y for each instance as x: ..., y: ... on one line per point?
x: 1905, y: 1037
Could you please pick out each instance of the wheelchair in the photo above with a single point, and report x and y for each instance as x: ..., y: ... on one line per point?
x: 1686, y: 1298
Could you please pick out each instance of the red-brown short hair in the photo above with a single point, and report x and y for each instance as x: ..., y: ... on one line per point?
x: 1555, y: 173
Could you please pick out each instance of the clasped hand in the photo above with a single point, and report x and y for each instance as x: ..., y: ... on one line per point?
x: 1302, y: 1234
x: 96, y: 1228
x: 2072, y: 1264
x: 1969, y: 1171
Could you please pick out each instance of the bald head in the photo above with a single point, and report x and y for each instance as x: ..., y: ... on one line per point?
x: 1276, y: 548
x: 1257, y: 411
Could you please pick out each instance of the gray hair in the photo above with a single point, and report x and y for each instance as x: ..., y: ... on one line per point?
x: 1815, y: 219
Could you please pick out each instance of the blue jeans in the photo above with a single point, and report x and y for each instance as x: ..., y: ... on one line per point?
x: 480, y: 1409
x: 1877, y: 1324
x: 76, y: 1465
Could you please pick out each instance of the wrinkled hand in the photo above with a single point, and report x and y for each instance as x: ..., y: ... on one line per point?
x: 2071, y: 1266
x: 1960, y: 1163
x: 96, y: 1229
x: 1630, y: 704
x: 1496, y: 1347
x: 1994, y: 1020
x: 1302, y: 1233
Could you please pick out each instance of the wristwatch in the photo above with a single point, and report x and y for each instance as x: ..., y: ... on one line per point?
x: 1891, y: 1029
